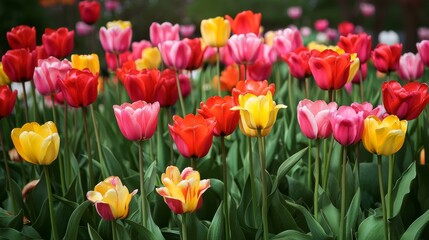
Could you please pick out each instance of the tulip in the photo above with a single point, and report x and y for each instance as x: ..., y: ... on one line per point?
x: 192, y: 134
x: 112, y: 5
x: 384, y: 137
x: 423, y: 33
x: 185, y: 85
x: 245, y: 22
x: 186, y: 31
x: 58, y: 43
x: 344, y: 28
x: 367, y: 9
x: 37, y: 144
x: 117, y: 38
x: 112, y: 59
x: 287, y: 40
x: 111, y: 198
x: 89, y: 11
x: 90, y: 62
x: 256, y: 88
x: 423, y: 49
x: 160, y: 33
x: 48, y: 73
x: 330, y: 70
x: 83, y: 29
x: 357, y: 43
x: 229, y: 77
x: 175, y: 54
x: 386, y: 58
x: 313, y: 118
x: 119, y: 24
x: 18, y: 64
x: 79, y: 87
x: 347, y: 125
x: 298, y: 62
x: 259, y: 71
x: 22, y: 36
x: 388, y: 37
x: 7, y: 100
x: 167, y: 94
x: 220, y: 109
x: 150, y: 59
x: 245, y: 48
x: 142, y: 85
x: 4, y: 79
x: 363, y: 70
x: 139, y: 47
x: 129, y: 67
x: 406, y: 102
x: 225, y: 56
x: 294, y: 12
x: 137, y: 121
x: 182, y: 192
x: 368, y: 110
x: 410, y: 67
x: 215, y: 31
x: 197, y: 53
x: 321, y: 25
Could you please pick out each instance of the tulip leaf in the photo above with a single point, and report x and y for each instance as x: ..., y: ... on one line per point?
x: 196, y: 229
x: 353, y: 214
x: 402, y: 188
x: 217, y: 226
x: 371, y: 228
x: 292, y: 235
x: 150, y: 178
x: 416, y: 228
x: 10, y: 233
x: 112, y: 164
x: 73, y: 224
x: 286, y: 166
x: 93, y: 234
x: 139, y: 232
x: 279, y: 216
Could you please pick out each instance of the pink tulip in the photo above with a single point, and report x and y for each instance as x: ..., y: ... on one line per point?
x: 368, y: 110
x: 185, y: 85
x: 287, y: 40
x: 294, y: 12
x: 423, y: 33
x: 47, y: 74
x: 83, y: 29
x: 225, y: 55
x: 187, y: 30
x: 137, y: 121
x: 367, y: 9
x: 245, y: 48
x: 332, y: 34
x: 321, y: 25
x: 115, y: 39
x: 410, y: 67
x: 260, y: 70
x: 138, y: 48
x: 160, y: 33
x: 423, y: 49
x: 347, y: 125
x: 313, y: 118
x: 175, y: 54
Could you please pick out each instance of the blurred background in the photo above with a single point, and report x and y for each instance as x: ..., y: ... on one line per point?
x: 408, y: 18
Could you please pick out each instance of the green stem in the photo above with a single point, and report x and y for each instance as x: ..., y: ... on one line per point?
x: 67, y: 148
x: 184, y: 229
x: 25, y: 102
x: 158, y: 142
x: 290, y: 93
x: 219, y: 92
x: 390, y: 185
x: 245, y: 72
x: 114, y: 231
x: 88, y: 149
x: 172, y: 160
x: 33, y: 93
x: 225, y: 189
x: 309, y: 173
x: 151, y: 149
x: 316, y: 184
x: 51, y: 203
x: 327, y: 165
x: 179, y: 90
x: 43, y: 110
x: 9, y: 179
x: 118, y: 91
x: 142, y: 189
x: 383, y: 201
x: 194, y: 163
x: 330, y: 95
x: 264, y: 185
x: 98, y: 142
x: 252, y: 177
x: 307, y: 87
x: 343, y: 193
x: 60, y: 159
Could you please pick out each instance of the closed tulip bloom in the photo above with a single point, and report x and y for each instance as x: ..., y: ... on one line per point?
x: 186, y: 31
x: 367, y: 9
x: 368, y: 109
x: 185, y: 85
x: 220, y: 109
x: 4, y: 79
x: 112, y: 61
x: 298, y: 62
x: 167, y: 94
x: 229, y: 77
x: 410, y: 67
x: 287, y: 40
x: 89, y: 11
x: 79, y: 87
x: 160, y: 33
x: 182, y: 192
x: 347, y: 125
x: 192, y: 134
x: 330, y: 70
x: 18, y: 64
x: 150, y: 59
x: 245, y: 22
x: 313, y: 118
x: 37, y: 144
x: 357, y: 43
x: 384, y: 137
x: 116, y: 39
x: 129, y: 67
x: 197, y: 53
x: 138, y: 47
x: 58, y: 43
x: 175, y: 54
x: 137, y: 121
x: 423, y: 49
x: 245, y: 48
x: 259, y: 71
x: 7, y: 100
x: 215, y: 31
x: 386, y: 58
x: 111, y: 198
x: 119, y: 24
x: 321, y: 25
x: 406, y: 102
x: 294, y: 12
x: 90, y: 62
x: 48, y: 73
x: 256, y: 88
x: 83, y: 29
x: 22, y: 36
x: 142, y: 85
x: 345, y: 28
x: 258, y: 112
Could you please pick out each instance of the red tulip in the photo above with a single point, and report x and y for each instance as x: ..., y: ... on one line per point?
x: 345, y: 28
x: 197, y: 53
x: 129, y: 67
x: 330, y: 70
x: 22, y: 36
x: 298, y: 62
x: 142, y: 85
x: 89, y: 11
x: 220, y: 109
x: 386, y: 58
x: 193, y: 135
x: 7, y: 100
x: 18, y: 64
x: 406, y: 102
x: 112, y: 61
x: 79, y: 87
x: 256, y: 88
x: 245, y: 22
x: 357, y: 43
x: 259, y: 71
x: 167, y: 94
x: 185, y: 85
x: 58, y: 43
x: 175, y: 54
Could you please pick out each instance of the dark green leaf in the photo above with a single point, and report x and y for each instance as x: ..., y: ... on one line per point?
x: 291, y: 235
x: 286, y: 166
x: 139, y: 232
x: 371, y: 228
x: 402, y: 188
x: 352, y: 214
x: 416, y: 228
x: 73, y: 224
x: 217, y: 227
x: 93, y: 234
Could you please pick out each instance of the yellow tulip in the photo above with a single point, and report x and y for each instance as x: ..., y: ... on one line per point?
x: 354, y: 66
x: 257, y: 113
x: 86, y: 61
x: 4, y: 79
x: 321, y: 47
x: 37, y: 144
x: 151, y: 59
x: 182, y: 191
x: 384, y: 137
x: 111, y: 198
x: 119, y: 23
x: 269, y: 38
x: 215, y: 31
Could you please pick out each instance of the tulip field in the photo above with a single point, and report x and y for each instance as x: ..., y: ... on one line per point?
x: 216, y: 131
